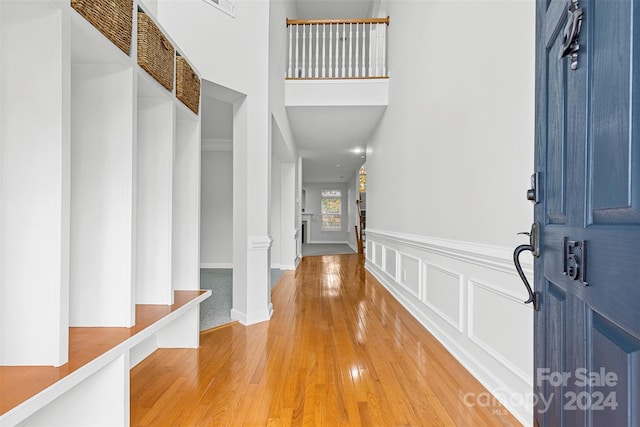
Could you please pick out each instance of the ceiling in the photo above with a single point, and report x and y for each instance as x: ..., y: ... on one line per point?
x: 333, y: 9
x: 332, y: 140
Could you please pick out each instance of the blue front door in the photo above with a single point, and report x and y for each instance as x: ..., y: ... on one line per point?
x: 587, y: 277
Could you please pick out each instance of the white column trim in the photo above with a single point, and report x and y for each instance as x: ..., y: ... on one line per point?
x: 259, y: 243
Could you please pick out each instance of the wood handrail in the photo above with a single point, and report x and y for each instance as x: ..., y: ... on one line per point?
x: 338, y: 21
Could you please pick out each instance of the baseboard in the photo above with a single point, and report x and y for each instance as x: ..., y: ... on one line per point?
x: 247, y: 319
x: 141, y: 351
x: 353, y: 247
x: 216, y: 265
x: 282, y: 267
x: 328, y: 242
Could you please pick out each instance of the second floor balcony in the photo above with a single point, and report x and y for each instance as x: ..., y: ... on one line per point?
x: 337, y: 48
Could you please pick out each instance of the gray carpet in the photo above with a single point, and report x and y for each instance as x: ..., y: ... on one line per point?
x: 216, y: 310
x: 310, y: 249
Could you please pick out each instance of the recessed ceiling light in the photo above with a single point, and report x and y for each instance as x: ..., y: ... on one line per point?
x: 357, y: 150
x: 362, y: 157
x: 337, y: 166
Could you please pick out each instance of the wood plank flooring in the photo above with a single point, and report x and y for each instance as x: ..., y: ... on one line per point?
x: 338, y: 351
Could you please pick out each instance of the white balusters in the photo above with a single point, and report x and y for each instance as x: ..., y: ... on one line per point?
x: 330, y: 50
x: 371, y: 39
x: 337, y: 51
x: 377, y: 50
x: 344, y: 53
x: 350, y: 43
x: 304, y: 49
x: 324, y: 38
x: 310, y: 50
x: 297, y: 52
x: 317, y: 40
x: 364, y: 45
x: 317, y: 55
x: 357, y: 73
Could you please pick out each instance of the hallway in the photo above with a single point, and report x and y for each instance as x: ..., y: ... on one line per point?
x: 339, y: 350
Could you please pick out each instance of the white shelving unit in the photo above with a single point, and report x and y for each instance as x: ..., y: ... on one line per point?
x: 34, y: 184
x: 186, y: 214
x: 102, y: 185
x: 156, y: 138
x: 99, y: 206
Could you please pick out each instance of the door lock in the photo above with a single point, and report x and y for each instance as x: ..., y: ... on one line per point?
x: 533, y: 194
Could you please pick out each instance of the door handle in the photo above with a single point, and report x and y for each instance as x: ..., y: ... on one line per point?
x: 532, y: 247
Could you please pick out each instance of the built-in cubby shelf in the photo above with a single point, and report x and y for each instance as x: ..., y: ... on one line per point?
x: 99, y: 212
x: 99, y: 362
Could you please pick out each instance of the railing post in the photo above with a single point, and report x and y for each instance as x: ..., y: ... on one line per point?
x: 290, y: 46
x: 384, y: 51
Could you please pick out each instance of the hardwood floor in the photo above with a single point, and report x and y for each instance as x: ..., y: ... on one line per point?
x: 338, y: 351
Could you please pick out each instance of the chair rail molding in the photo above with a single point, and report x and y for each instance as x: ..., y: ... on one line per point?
x: 495, y: 257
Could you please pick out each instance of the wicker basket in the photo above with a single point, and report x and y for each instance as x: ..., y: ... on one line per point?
x: 155, y: 52
x: 187, y: 84
x: 113, y: 18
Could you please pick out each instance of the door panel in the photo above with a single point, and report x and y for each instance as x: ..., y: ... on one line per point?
x: 616, y: 361
x: 556, y: 137
x: 587, y: 328
x: 555, y: 350
x: 611, y: 139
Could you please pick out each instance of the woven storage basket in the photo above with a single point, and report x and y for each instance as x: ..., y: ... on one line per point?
x: 155, y: 52
x: 113, y: 18
x: 187, y: 84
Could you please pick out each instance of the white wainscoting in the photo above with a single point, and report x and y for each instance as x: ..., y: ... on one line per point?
x: 470, y: 298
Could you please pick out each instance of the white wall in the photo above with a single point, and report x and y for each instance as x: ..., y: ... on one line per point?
x: 447, y: 171
x: 216, y: 219
x: 279, y: 11
x: 456, y: 141
x: 353, y: 219
x: 313, y: 205
x: 276, y: 232
x: 233, y: 53
x: 284, y: 212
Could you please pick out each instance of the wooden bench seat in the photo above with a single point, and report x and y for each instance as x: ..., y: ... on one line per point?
x: 24, y: 390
